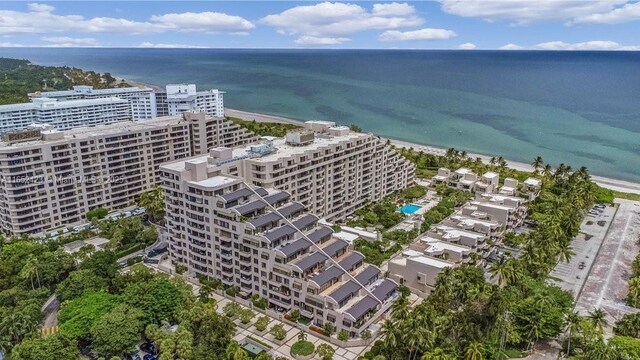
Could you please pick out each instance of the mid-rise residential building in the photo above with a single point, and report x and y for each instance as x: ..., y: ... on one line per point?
x: 63, y: 115
x: 417, y: 271
x: 332, y: 173
x: 142, y: 100
x: 264, y: 242
x: 185, y: 97
x: 52, y: 178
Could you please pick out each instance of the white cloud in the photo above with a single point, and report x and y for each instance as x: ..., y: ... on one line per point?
x: 203, y: 22
x: 41, y: 20
x: 40, y: 7
x: 319, y: 41
x: 588, y: 45
x: 147, y: 44
x: 422, y: 34
x: 338, y: 19
x: 391, y: 9
x: 626, y: 13
x: 528, y: 11
x: 65, y: 41
x: 511, y: 46
x: 467, y: 46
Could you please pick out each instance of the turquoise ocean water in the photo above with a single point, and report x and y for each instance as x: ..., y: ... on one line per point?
x: 580, y: 108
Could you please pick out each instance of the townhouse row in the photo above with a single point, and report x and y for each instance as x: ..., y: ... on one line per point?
x: 473, y: 233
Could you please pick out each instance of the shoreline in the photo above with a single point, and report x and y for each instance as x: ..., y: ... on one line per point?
x: 609, y: 183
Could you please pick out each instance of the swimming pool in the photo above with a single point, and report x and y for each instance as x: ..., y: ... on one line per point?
x: 409, y: 209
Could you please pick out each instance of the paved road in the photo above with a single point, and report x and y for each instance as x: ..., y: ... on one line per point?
x: 50, y: 311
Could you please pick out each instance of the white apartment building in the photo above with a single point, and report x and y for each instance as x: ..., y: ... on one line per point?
x: 184, y: 97
x: 51, y: 178
x: 222, y: 228
x: 332, y: 173
x: 142, y: 100
x: 417, y: 271
x: 63, y: 115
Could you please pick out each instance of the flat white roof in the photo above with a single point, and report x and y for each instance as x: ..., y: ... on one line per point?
x: 463, y: 171
x: 492, y: 205
x: 215, y: 181
x: 430, y: 261
x: 532, y: 182
x: 437, y: 245
x: 490, y: 174
x: 471, y: 221
x: 455, y: 232
x: 90, y: 90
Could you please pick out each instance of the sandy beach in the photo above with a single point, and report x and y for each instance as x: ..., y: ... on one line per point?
x: 613, y: 184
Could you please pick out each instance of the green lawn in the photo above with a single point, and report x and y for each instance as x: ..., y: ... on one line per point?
x: 302, y: 348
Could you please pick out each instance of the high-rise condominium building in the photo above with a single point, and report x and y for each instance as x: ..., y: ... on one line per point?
x: 142, y: 100
x: 222, y: 228
x: 63, y: 115
x: 182, y: 97
x: 51, y: 178
x: 331, y: 170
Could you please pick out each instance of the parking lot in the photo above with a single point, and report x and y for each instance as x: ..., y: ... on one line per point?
x: 606, y: 284
x: 593, y: 229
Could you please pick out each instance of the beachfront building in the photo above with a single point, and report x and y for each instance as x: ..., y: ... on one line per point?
x: 63, y: 115
x: 52, y: 178
x: 185, y: 97
x: 332, y: 172
x: 142, y: 100
x: 264, y: 242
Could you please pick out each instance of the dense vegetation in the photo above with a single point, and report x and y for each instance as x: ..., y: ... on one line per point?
x: 265, y: 128
x: 20, y: 77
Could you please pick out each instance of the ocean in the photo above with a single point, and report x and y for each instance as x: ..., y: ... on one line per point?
x: 577, y: 108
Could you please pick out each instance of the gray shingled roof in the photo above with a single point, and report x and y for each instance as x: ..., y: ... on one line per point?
x: 294, y: 247
x: 351, y: 260
x: 362, y: 307
x: 327, y: 275
x: 383, y: 290
x: 280, y: 232
x: 261, y: 191
x: 265, y: 219
x: 320, y: 234
x: 235, y: 195
x: 344, y: 291
x: 332, y: 249
x: 305, y: 221
x: 367, y: 274
x: 311, y: 261
x: 250, y: 207
x: 290, y: 209
x: 277, y: 197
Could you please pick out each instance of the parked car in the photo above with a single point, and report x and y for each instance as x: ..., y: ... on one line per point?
x: 148, y: 357
x: 133, y: 356
x: 139, y: 211
x: 149, y: 347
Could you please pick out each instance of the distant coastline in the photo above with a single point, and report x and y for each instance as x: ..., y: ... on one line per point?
x: 613, y: 184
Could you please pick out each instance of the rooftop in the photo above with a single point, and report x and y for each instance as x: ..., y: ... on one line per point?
x: 90, y: 90
x: 47, y: 103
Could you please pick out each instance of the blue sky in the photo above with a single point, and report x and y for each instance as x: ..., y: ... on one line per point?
x: 445, y: 24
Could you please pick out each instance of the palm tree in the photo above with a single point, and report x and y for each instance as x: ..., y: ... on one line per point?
x: 547, y: 171
x: 493, y: 160
x: 633, y: 297
x: 302, y: 336
x: 498, y: 270
x: 400, y: 309
x: 390, y: 333
x: 565, y: 252
x: 537, y: 164
x: 31, y: 268
x: 474, y: 351
x: 573, y: 326
x: 598, y: 319
x: 231, y: 350
x: 153, y: 201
